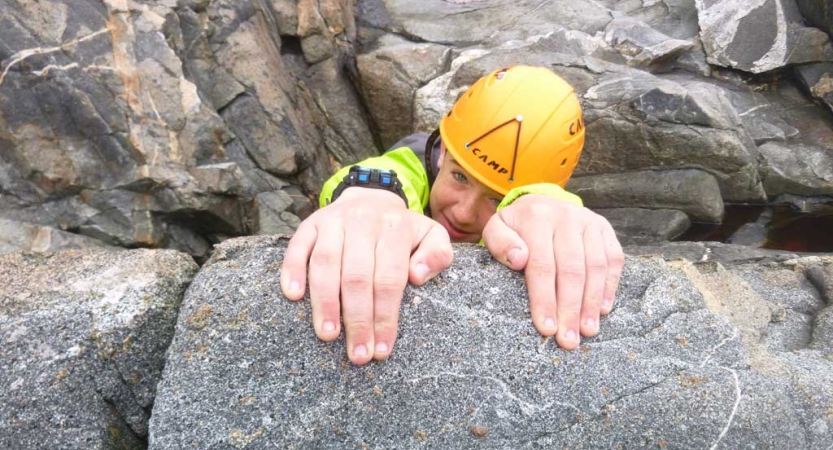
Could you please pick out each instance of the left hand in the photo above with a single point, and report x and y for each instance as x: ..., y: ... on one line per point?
x: 572, y: 263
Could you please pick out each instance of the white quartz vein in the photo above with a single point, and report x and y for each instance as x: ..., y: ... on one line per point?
x: 734, y: 409
x: 721, y: 344
x: 526, y: 407
x: 23, y: 54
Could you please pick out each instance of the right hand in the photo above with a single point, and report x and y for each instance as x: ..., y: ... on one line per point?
x: 362, y: 250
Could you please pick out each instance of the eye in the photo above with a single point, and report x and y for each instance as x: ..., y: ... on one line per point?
x: 459, y: 177
x: 496, y: 201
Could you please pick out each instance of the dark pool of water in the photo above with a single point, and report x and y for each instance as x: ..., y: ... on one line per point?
x: 779, y: 227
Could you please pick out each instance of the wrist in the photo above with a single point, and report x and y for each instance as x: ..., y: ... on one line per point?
x: 371, y: 179
x: 368, y: 194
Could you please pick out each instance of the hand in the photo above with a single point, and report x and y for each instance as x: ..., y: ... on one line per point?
x: 362, y: 250
x: 572, y: 258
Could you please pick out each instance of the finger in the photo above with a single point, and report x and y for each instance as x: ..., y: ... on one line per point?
x: 596, y: 274
x: 358, y: 263
x: 505, y: 244
x: 539, y: 273
x: 393, y: 252
x: 615, y: 263
x: 432, y: 252
x: 569, y: 281
x: 294, y: 267
x: 324, y: 284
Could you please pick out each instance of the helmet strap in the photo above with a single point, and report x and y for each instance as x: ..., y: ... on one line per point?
x: 430, y: 160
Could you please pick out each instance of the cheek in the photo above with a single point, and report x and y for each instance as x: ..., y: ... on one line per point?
x: 438, y: 198
x: 484, y: 212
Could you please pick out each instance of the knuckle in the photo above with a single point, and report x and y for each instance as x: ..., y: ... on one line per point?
x: 355, y: 213
x: 392, y: 219
x: 441, y: 257
x: 388, y: 285
x: 358, y: 326
x: 330, y: 306
x: 572, y: 271
x: 616, y: 259
x: 540, y: 211
x: 596, y: 265
x: 355, y: 281
x: 385, y: 323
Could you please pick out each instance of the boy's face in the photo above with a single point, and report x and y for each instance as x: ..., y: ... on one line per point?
x: 459, y: 202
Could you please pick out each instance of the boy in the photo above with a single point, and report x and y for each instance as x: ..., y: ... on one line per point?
x: 506, y: 149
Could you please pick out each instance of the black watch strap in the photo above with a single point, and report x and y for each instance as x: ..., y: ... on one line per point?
x: 385, y: 180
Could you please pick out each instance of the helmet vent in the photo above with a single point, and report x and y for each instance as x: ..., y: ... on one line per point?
x: 563, y: 163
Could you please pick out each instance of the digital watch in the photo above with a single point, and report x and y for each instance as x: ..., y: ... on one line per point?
x: 385, y: 180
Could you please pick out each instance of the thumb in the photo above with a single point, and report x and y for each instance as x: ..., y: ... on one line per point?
x: 505, y: 244
x: 433, y: 252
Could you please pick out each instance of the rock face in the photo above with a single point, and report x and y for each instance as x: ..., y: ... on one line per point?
x: 163, y: 125
x: 18, y: 236
x: 682, y: 361
x: 84, y: 337
x: 156, y: 125
x: 693, y: 192
x: 760, y: 35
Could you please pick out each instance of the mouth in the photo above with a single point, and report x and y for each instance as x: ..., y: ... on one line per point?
x: 455, y: 233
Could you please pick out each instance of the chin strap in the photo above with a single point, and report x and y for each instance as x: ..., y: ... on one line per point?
x: 430, y: 161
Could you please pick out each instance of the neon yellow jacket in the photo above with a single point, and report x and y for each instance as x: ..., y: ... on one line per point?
x: 411, y: 173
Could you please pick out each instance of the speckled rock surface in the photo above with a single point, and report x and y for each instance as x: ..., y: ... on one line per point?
x: 84, y: 336
x: 469, y: 371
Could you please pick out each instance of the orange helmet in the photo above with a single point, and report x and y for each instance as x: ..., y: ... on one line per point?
x: 514, y: 127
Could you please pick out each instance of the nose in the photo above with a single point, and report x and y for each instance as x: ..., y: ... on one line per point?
x: 465, y: 210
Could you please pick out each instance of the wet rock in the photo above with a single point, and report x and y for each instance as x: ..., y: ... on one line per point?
x: 759, y: 36
x: 639, y: 226
x: 21, y: 236
x: 818, y: 80
x: 663, y: 367
x: 753, y: 234
x: 796, y: 169
x: 84, y: 337
x: 389, y: 78
x: 692, y: 191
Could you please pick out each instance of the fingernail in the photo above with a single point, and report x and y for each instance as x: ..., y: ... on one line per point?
x: 381, y: 347
x: 513, y: 255
x: 570, y: 335
x: 360, y: 350
x: 422, y: 270
x: 295, y: 286
x: 329, y: 326
x: 549, y: 323
x: 590, y: 323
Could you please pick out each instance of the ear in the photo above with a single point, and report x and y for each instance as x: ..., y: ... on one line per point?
x: 442, y: 155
